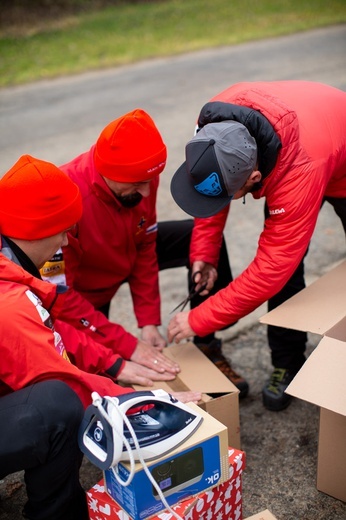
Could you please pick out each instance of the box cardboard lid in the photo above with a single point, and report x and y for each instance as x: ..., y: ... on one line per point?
x: 197, y: 373
x: 263, y: 515
x: 316, y: 308
x: 321, y: 380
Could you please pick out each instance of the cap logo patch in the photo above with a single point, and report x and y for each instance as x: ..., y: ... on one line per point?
x: 211, y: 186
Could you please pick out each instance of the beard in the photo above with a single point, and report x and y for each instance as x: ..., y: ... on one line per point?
x: 129, y: 201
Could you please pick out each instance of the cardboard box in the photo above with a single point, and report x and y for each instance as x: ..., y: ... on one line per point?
x: 198, y: 464
x: 321, y: 309
x: 223, y: 501
x: 263, y: 515
x: 220, y: 396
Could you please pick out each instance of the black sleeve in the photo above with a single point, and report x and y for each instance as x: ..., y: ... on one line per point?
x: 268, y: 142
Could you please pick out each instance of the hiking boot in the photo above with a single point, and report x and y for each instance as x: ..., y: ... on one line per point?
x: 213, y: 352
x: 273, y: 393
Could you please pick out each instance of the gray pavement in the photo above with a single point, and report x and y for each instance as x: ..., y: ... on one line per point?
x: 56, y: 120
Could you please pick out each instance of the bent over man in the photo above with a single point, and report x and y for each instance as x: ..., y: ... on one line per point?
x: 118, y: 240
x: 284, y: 141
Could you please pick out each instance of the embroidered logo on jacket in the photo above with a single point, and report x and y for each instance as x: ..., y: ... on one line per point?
x: 151, y: 229
x: 140, y: 225
x: 47, y: 320
x: 276, y: 211
x: 43, y: 313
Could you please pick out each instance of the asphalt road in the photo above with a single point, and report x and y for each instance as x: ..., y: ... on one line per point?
x: 56, y: 120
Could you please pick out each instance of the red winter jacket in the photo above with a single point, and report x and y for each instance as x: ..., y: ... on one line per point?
x: 111, y: 244
x: 32, y: 348
x: 300, y: 132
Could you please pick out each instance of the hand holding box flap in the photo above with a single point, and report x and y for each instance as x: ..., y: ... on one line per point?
x: 321, y: 380
x: 197, y: 372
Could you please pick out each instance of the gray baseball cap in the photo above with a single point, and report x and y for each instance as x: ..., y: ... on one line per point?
x: 219, y: 160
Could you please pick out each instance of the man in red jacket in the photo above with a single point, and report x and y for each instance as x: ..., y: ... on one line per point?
x: 118, y: 240
x: 43, y: 385
x: 284, y: 141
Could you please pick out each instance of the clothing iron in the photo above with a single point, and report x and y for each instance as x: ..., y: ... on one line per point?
x: 157, y: 421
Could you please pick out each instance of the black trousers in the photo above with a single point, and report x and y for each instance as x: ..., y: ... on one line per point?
x: 38, y: 434
x: 288, y: 346
x: 172, y: 247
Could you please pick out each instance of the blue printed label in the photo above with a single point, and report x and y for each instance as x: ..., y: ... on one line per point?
x: 211, y: 186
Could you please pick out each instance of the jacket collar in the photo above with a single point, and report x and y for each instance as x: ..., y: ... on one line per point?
x: 11, y: 270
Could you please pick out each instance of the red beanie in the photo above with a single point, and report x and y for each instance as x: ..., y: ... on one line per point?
x: 130, y: 149
x: 37, y: 200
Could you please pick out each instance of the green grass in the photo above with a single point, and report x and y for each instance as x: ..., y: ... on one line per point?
x: 127, y: 33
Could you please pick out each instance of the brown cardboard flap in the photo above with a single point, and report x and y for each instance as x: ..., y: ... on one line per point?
x: 315, y: 309
x: 331, y: 470
x: 197, y: 372
x: 338, y: 331
x: 322, y: 380
x: 263, y: 515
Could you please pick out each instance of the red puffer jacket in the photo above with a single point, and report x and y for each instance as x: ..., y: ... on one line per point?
x: 31, y: 347
x: 110, y: 244
x: 307, y: 154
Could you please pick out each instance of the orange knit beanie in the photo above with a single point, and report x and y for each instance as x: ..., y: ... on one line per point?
x: 130, y: 149
x: 37, y: 200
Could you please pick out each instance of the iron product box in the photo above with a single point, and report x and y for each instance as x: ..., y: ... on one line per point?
x: 320, y: 309
x: 198, y: 464
x: 220, y: 397
x: 223, y: 501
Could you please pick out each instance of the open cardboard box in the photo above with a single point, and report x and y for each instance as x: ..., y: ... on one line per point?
x: 220, y: 397
x: 321, y: 309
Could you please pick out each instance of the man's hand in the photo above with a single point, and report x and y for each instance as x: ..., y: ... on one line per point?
x: 152, y: 358
x: 179, y: 328
x: 188, y: 397
x: 208, y: 276
x: 135, y: 374
x: 152, y: 336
